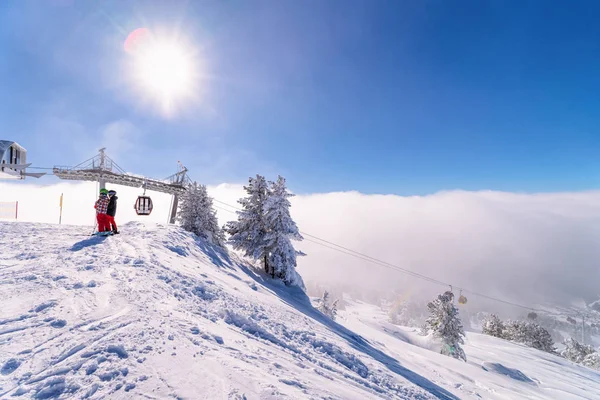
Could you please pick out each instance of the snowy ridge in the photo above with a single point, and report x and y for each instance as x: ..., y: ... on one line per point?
x: 155, y: 313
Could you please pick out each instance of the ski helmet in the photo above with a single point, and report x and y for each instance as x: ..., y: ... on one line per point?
x: 112, y: 192
x: 103, y: 191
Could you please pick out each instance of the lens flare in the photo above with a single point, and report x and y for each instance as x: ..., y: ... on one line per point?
x: 135, y: 39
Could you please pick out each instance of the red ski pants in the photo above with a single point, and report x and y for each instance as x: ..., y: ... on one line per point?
x: 103, y: 225
x: 110, y: 221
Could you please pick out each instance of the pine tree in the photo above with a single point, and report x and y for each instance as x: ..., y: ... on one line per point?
x: 592, y: 361
x: 493, y: 326
x: 530, y: 334
x: 248, y: 232
x: 209, y: 222
x: 542, y: 340
x: 397, y: 311
x: 445, y: 323
x: 280, y: 231
x: 327, y: 307
x: 197, y: 215
x: 575, y: 351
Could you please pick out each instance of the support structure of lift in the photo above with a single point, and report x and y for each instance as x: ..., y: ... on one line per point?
x: 103, y: 169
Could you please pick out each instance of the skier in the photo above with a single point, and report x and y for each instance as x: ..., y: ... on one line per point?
x: 111, y: 211
x: 101, y: 207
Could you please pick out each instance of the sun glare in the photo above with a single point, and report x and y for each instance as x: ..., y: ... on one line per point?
x: 163, y: 69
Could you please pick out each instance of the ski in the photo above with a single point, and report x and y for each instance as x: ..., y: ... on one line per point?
x: 102, y: 234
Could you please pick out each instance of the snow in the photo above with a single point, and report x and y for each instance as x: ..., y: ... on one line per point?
x: 170, y: 316
x: 496, y: 368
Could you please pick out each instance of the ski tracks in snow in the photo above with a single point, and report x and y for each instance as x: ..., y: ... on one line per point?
x: 132, y: 315
x: 72, y: 335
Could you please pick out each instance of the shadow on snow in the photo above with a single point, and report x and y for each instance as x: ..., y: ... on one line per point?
x: 297, y: 299
x: 94, y: 240
x: 217, y: 255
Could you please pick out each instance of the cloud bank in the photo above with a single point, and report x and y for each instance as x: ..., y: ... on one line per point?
x: 522, y: 247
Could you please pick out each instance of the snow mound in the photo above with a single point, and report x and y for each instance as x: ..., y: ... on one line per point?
x: 157, y: 313
x: 510, y: 372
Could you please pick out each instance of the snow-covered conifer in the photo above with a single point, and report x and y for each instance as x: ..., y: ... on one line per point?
x: 530, y: 334
x: 592, y: 361
x: 248, y: 232
x: 396, y: 311
x: 280, y: 231
x: 445, y: 324
x: 493, y: 326
x: 542, y: 340
x: 513, y: 331
x: 264, y: 229
x: 575, y: 351
x: 197, y: 215
x: 327, y: 307
x: 408, y: 312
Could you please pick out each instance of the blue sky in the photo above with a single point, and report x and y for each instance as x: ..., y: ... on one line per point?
x: 405, y: 97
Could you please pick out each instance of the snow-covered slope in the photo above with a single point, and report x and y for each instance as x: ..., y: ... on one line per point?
x: 154, y: 313
x: 495, y: 368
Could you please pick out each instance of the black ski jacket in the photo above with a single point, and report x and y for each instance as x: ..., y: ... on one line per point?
x: 112, y: 206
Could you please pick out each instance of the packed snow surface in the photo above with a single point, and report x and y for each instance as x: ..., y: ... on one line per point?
x: 156, y: 313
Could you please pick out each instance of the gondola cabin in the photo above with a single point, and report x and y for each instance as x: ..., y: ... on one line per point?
x: 13, y: 161
x: 143, y: 205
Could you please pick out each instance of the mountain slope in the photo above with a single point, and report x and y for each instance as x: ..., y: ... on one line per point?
x: 495, y: 368
x: 154, y: 313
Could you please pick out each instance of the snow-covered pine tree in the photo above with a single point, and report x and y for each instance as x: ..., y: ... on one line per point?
x: 327, y: 307
x: 188, y: 210
x: 514, y: 330
x: 493, y: 326
x: 208, y: 218
x: 592, y: 361
x: 445, y: 324
x: 530, y: 334
x: 280, y: 231
x: 575, y: 351
x: 397, y: 311
x: 542, y: 340
x: 248, y: 232
x: 197, y: 215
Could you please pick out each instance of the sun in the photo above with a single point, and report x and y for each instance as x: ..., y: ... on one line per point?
x: 164, y: 69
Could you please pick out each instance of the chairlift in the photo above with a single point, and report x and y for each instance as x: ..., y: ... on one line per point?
x: 462, y: 299
x: 143, y: 204
x: 532, y: 315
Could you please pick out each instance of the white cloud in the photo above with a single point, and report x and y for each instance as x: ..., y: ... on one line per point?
x: 522, y: 247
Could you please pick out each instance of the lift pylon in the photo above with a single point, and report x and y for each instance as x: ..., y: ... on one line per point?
x: 102, y: 169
